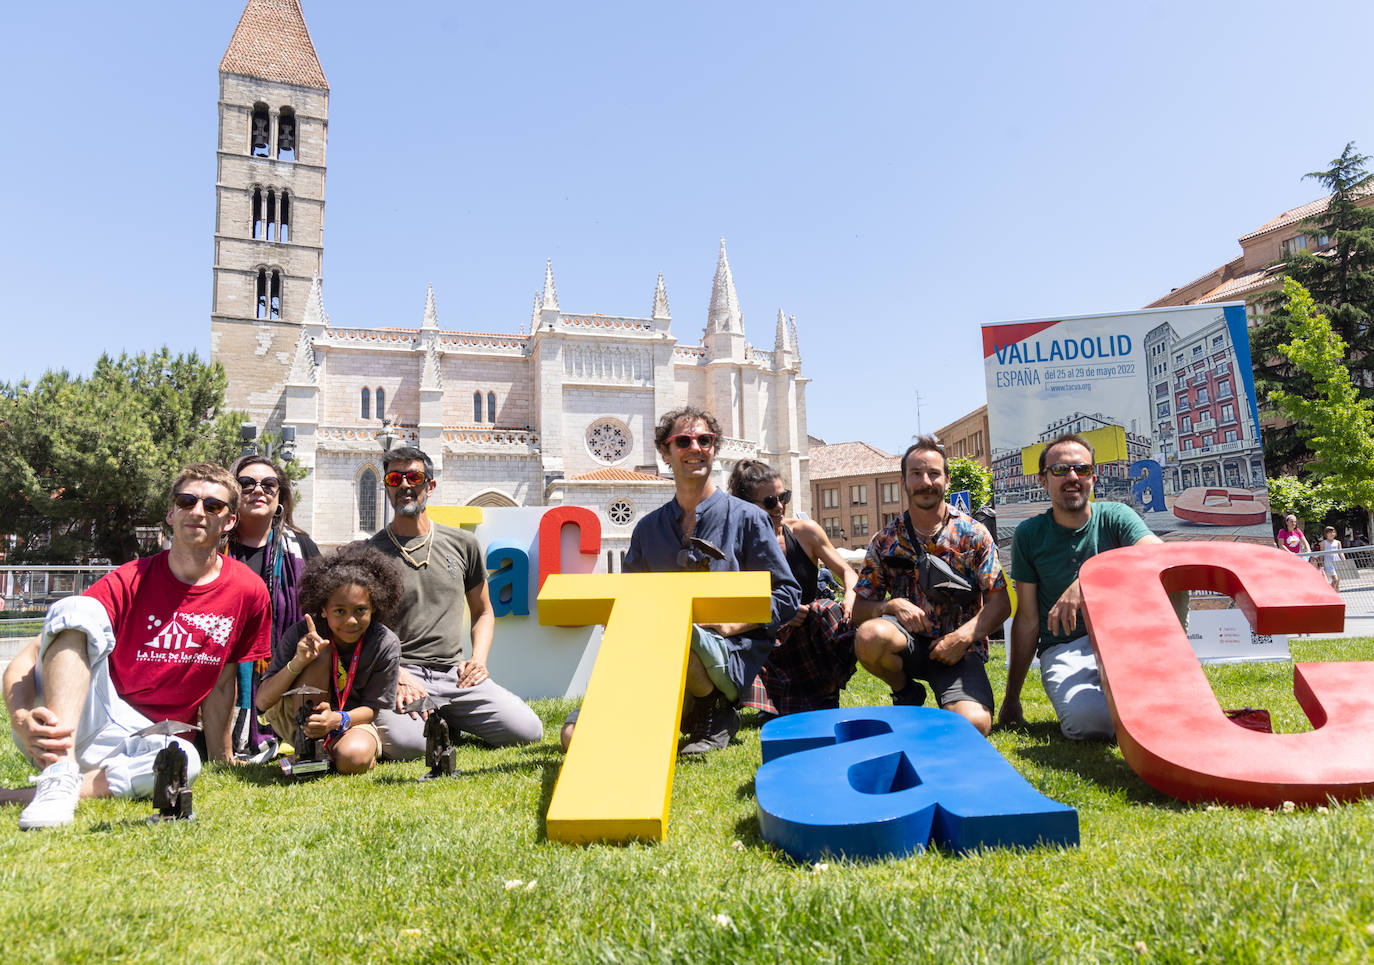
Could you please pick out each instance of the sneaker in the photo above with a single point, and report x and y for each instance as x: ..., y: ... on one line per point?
x: 54, y: 800
x: 912, y: 695
x: 715, y: 722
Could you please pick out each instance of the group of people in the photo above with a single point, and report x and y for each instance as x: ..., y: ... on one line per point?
x: 1293, y: 539
x: 243, y: 616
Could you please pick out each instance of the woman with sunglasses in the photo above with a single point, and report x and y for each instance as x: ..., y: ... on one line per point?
x: 814, y: 655
x: 269, y: 543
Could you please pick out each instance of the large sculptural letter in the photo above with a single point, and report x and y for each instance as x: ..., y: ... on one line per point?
x: 871, y: 782
x: 618, y: 777
x: 1171, y: 728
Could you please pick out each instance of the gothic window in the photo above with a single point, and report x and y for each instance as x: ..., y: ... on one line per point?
x: 491, y: 407
x: 284, y: 219
x: 286, y: 135
x: 381, y: 402
x: 269, y: 294
x: 366, y: 410
x: 259, y: 226
x: 608, y: 440
x: 271, y: 215
x: 621, y: 512
x: 367, y: 500
x: 260, y: 135
x: 477, y: 407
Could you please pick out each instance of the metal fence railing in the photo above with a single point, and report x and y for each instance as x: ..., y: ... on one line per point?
x: 32, y: 589
x: 1353, y: 572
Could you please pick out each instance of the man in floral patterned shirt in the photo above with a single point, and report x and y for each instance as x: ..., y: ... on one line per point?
x: 929, y: 593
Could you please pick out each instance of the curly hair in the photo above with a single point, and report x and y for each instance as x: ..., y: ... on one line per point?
x: 748, y: 475
x: 355, y: 564
x: 669, y: 421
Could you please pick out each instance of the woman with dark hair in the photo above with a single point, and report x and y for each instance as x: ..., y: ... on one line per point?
x: 268, y: 541
x: 814, y: 655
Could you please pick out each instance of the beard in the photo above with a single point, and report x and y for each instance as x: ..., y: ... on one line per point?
x: 410, y: 508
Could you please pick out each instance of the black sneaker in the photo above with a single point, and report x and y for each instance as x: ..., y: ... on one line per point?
x: 912, y: 695
x: 714, y: 722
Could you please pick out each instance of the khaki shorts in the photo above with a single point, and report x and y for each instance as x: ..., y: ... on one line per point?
x: 283, y: 721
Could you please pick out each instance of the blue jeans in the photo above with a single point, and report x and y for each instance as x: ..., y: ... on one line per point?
x: 1069, y: 674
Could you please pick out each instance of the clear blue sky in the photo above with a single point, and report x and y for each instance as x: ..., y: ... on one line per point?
x: 892, y: 174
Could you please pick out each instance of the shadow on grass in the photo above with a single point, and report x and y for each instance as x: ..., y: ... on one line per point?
x: 1096, y: 761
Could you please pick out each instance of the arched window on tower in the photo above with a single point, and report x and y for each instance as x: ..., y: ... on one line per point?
x: 269, y: 294
x: 477, y: 407
x: 260, y: 134
x: 284, y: 218
x: 367, y: 501
x: 286, y: 135
x: 366, y: 410
x: 271, y: 215
x: 491, y: 407
x: 381, y: 402
x: 259, y: 226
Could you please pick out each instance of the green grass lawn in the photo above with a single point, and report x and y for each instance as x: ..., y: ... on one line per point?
x: 382, y: 868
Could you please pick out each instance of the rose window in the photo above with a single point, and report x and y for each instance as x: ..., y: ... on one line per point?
x: 608, y: 440
x: 621, y: 512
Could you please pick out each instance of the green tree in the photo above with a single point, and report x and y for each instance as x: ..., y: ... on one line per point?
x: 1289, y: 494
x: 967, y: 474
x: 87, y: 460
x: 1336, y: 424
x: 1341, y: 282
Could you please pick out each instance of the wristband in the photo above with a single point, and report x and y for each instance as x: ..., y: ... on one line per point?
x: 294, y: 671
x: 345, y: 723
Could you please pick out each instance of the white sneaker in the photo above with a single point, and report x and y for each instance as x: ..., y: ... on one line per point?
x: 54, y: 800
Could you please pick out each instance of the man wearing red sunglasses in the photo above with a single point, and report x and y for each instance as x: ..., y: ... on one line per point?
x: 705, y: 528
x: 158, y: 639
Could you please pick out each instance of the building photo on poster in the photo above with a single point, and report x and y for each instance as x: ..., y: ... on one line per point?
x: 1165, y: 396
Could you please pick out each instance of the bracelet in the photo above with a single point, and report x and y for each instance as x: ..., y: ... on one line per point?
x: 294, y: 671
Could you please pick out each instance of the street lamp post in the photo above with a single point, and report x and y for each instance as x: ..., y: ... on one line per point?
x: 283, y: 444
x: 386, y: 438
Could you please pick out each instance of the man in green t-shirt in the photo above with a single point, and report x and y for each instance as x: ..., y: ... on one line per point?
x: 442, y: 570
x: 1046, y: 553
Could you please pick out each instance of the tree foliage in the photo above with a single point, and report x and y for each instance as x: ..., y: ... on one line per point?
x: 1341, y: 282
x: 1333, y: 420
x: 1289, y: 494
x: 84, y: 461
x: 970, y: 475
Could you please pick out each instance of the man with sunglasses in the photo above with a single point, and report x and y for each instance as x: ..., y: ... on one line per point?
x: 929, y: 593
x: 158, y: 639
x: 1046, y: 554
x: 442, y: 570
x: 705, y: 528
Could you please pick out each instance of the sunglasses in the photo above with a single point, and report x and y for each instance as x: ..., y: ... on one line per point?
x: 697, y: 555
x: 771, y: 503
x: 684, y: 440
x: 248, y: 484
x: 1063, y: 468
x: 213, y: 504
x: 412, y: 477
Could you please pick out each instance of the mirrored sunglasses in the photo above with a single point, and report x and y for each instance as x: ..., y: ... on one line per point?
x: 213, y: 504
x: 684, y: 440
x: 1062, y: 468
x: 411, y: 477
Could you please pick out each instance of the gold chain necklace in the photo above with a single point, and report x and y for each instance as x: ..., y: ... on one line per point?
x: 406, y: 553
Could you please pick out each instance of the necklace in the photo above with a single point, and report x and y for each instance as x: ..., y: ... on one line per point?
x: 424, y: 542
x: 926, y: 537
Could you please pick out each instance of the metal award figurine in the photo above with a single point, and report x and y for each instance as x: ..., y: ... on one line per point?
x: 439, y: 750
x: 171, y: 789
x: 310, y: 756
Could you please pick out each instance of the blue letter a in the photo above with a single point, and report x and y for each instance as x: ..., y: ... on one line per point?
x: 871, y: 782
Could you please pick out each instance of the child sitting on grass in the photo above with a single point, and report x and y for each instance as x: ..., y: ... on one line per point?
x: 354, y: 592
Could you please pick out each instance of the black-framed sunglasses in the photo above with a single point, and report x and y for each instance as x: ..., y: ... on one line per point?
x: 248, y: 484
x: 697, y: 555
x: 684, y: 440
x: 213, y: 504
x: 411, y: 477
x: 772, y: 503
x: 1061, y: 469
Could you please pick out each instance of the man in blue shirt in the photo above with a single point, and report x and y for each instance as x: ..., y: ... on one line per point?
x: 705, y: 528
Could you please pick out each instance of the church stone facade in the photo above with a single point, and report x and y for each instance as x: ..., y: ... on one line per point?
x: 560, y: 412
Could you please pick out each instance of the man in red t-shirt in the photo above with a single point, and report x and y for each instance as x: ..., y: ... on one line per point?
x: 158, y: 639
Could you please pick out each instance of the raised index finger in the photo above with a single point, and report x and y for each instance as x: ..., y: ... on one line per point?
x: 310, y: 625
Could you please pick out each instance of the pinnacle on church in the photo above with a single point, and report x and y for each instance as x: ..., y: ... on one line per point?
x: 430, y: 377
x: 534, y: 314
x: 780, y: 338
x: 661, y: 300
x: 314, y: 304
x: 796, y: 346
x: 724, y: 315
x: 431, y: 319
x: 303, y: 370
x: 550, y: 302
x: 272, y: 42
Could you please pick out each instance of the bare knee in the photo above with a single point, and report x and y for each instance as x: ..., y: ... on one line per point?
x: 876, y: 639
x: 975, y: 713
x: 565, y: 735
x: 355, y: 756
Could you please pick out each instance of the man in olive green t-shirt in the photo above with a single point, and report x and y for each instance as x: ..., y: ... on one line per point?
x: 1046, y: 553
x: 441, y: 569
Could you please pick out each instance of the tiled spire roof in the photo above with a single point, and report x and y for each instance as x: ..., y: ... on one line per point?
x: 273, y: 42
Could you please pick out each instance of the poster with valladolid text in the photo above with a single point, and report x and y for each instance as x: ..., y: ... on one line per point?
x: 1165, y: 396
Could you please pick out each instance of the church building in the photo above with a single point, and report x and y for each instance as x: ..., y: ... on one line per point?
x: 559, y: 411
